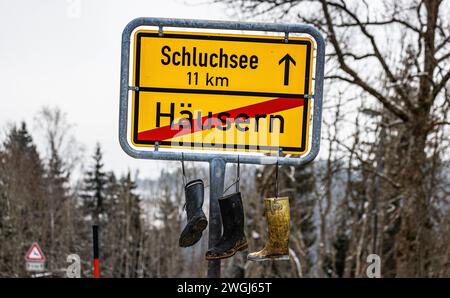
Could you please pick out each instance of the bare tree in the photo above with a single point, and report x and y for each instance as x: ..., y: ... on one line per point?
x: 396, y: 53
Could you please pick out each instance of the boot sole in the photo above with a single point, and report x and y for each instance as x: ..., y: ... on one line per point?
x: 229, y: 253
x: 269, y: 258
x: 192, y: 234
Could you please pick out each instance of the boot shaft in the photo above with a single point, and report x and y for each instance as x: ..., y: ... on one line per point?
x: 194, y: 193
x: 278, y: 221
x: 232, y: 212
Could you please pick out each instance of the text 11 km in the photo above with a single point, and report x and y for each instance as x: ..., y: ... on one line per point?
x: 210, y: 80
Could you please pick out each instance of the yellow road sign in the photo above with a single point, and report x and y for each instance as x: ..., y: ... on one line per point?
x: 221, y: 91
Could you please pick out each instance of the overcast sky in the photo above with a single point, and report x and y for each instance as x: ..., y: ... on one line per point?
x: 67, y: 53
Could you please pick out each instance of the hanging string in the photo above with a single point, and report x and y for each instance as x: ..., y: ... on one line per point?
x: 184, y: 171
x: 238, y: 178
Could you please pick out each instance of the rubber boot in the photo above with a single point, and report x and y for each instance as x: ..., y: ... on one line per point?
x: 196, y: 219
x: 277, y: 244
x: 233, y: 237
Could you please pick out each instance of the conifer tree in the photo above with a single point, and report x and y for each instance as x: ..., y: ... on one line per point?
x: 131, y: 226
x: 23, y: 213
x: 57, y: 183
x: 93, y: 193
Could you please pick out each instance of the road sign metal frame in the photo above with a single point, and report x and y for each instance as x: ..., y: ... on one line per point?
x: 125, y: 88
x: 217, y: 162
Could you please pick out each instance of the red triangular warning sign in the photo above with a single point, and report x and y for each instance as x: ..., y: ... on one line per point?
x: 34, y: 253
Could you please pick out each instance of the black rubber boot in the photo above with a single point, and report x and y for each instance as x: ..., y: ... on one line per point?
x: 233, y: 237
x: 196, y: 219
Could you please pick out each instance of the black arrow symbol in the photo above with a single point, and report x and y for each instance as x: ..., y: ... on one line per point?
x: 287, y: 59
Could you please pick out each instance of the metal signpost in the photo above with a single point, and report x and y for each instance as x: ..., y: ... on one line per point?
x: 222, y: 92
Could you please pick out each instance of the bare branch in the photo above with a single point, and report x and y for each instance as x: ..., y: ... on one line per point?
x: 381, y: 23
x: 354, y: 56
x: 444, y: 57
x: 441, y: 84
x: 377, y: 52
x: 367, y: 166
x: 356, y: 79
x: 386, y: 103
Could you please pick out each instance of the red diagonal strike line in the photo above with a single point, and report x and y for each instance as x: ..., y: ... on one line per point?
x: 266, y: 107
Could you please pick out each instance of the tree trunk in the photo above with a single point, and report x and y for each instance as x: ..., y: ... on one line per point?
x: 415, y: 232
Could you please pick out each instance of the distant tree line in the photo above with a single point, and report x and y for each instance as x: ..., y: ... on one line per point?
x: 40, y: 202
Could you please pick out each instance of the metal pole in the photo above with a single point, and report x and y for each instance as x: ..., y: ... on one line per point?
x: 216, y: 184
x: 96, y: 251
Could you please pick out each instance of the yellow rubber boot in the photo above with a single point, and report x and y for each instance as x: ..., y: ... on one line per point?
x: 278, y: 219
